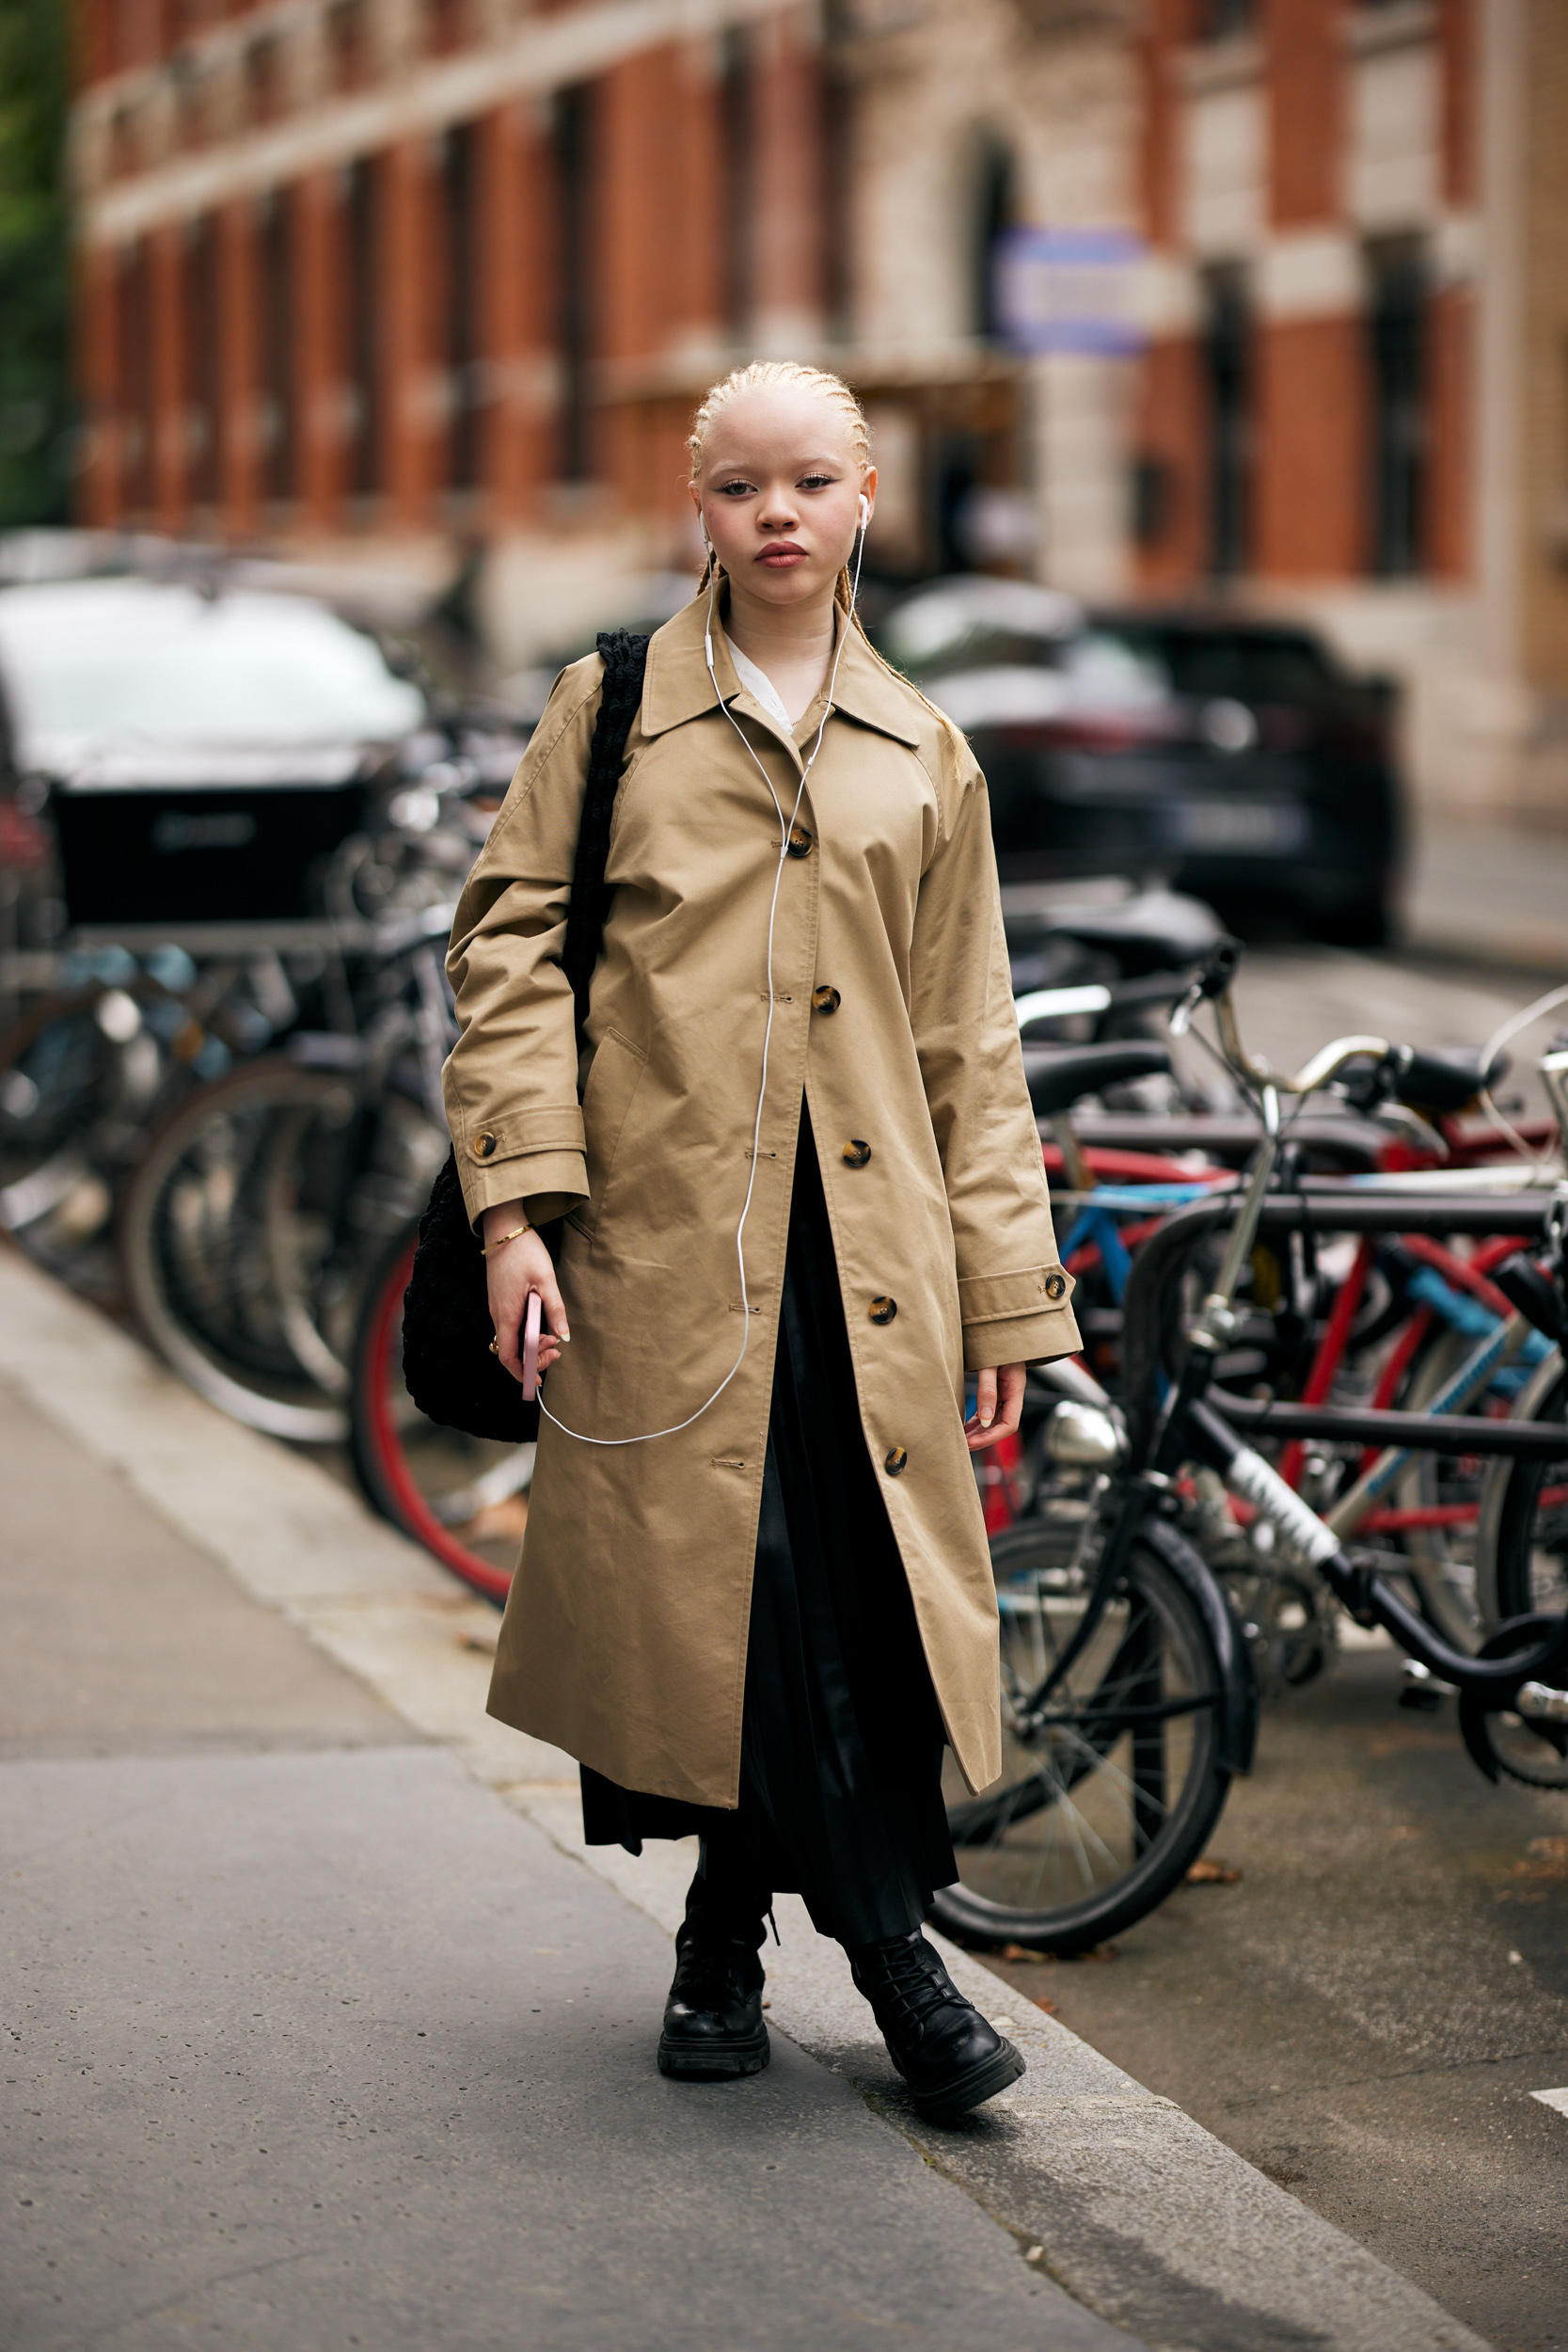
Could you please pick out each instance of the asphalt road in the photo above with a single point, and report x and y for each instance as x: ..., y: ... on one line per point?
x: 1367, y: 2011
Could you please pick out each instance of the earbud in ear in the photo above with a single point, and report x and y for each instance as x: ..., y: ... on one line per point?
x: 866, y: 511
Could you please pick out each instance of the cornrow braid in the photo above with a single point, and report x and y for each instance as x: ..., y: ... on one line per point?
x: 771, y: 376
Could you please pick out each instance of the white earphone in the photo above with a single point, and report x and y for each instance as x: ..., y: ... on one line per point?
x: 786, y: 826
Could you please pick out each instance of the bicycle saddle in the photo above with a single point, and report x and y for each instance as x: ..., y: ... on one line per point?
x: 1059, y: 1074
x: 1160, y: 930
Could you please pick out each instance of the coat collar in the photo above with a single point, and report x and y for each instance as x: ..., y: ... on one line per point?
x: 677, y: 686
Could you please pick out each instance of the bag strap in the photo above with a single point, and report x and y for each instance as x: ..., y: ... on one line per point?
x: 625, y: 658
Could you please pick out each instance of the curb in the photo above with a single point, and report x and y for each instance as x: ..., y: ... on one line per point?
x: 1143, y: 2216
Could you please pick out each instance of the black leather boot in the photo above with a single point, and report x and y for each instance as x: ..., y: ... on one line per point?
x: 713, y: 2018
x: 950, y: 2057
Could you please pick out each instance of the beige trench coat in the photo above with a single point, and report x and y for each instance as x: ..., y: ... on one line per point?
x: 624, y: 1635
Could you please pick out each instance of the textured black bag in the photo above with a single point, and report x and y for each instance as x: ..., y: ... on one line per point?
x: 446, y: 1364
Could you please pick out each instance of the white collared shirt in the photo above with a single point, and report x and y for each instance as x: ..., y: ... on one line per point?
x: 761, y: 688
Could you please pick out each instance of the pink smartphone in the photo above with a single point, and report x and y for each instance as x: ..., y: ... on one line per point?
x: 530, y: 1347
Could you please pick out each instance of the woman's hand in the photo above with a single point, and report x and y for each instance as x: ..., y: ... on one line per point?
x: 998, y: 1403
x: 509, y: 1273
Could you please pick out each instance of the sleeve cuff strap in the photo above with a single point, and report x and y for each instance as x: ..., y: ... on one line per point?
x: 1035, y: 1290
x: 1020, y: 1340
x: 523, y: 1177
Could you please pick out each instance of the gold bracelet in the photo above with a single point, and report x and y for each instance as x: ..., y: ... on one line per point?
x: 516, y: 1235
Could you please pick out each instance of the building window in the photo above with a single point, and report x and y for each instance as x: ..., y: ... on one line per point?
x: 1228, y: 368
x: 277, y: 346
x: 575, y: 293
x: 736, y: 110
x: 1222, y: 20
x: 133, y: 370
x: 263, y: 80
x: 459, y: 161
x: 199, y: 344
x: 995, y: 210
x: 1396, y: 328
x: 362, y: 243
x: 345, y: 44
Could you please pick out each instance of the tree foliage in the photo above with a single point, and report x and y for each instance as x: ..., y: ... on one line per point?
x: 36, y: 441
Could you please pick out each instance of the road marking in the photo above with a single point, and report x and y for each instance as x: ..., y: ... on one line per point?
x: 1558, y: 2099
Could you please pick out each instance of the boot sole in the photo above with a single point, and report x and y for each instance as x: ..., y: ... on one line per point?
x: 700, y: 2061
x: 982, y: 2082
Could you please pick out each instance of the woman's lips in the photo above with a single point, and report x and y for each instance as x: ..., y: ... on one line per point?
x: 783, y: 557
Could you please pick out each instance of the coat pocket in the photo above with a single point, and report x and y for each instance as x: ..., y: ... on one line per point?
x: 612, y: 1081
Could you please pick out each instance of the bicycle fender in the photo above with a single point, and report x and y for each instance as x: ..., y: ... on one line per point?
x: 1238, y: 1683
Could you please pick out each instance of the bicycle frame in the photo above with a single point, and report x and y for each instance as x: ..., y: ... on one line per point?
x: 1188, y: 1427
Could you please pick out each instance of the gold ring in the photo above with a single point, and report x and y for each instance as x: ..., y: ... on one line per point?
x: 495, y: 1347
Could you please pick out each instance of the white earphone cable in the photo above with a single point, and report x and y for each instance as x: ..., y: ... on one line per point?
x: 787, y: 827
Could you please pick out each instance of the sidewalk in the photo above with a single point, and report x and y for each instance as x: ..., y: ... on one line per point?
x: 1488, y: 894
x: 325, y: 2030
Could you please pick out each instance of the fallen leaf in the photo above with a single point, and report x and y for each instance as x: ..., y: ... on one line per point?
x: 1212, y: 1873
x: 1022, y: 1952
x: 499, y: 1522
x: 1545, y: 1858
x: 1042, y: 2001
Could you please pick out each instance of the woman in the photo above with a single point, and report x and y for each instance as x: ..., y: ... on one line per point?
x: 802, y: 1193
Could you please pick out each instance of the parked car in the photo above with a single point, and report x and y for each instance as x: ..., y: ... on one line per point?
x: 1228, y: 756
x: 199, y: 754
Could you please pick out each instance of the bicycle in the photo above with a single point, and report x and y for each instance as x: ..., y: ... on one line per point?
x: 1129, y: 1700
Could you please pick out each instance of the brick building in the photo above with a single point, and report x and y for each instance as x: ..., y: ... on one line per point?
x: 377, y: 280
x: 1356, y: 398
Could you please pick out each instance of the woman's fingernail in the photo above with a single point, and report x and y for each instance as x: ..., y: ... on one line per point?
x: 986, y: 1420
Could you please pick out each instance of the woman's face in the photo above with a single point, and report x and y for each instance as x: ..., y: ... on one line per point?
x: 780, y: 492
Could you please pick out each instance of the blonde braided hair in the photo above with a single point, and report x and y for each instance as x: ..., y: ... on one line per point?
x: 771, y: 376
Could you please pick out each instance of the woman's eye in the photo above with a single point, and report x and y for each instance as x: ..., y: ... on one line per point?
x: 817, y: 482
x: 734, y: 489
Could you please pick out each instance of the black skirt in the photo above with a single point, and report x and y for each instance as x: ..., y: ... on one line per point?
x: 841, y: 1739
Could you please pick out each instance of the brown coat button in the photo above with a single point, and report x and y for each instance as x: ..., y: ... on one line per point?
x: 855, y: 1153
x: 825, y: 1000
x: 484, y: 1147
x: 896, y: 1462
x: 884, y: 1310
x: 1055, y: 1286
x: 800, y: 841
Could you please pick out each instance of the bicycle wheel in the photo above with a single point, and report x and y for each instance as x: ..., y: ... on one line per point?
x: 217, y: 1290
x: 1440, y: 1558
x: 463, y: 1498
x: 78, y: 1075
x: 1523, y: 1546
x: 1100, y: 1809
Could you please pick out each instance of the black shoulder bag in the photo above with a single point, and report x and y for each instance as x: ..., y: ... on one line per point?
x: 447, y: 1363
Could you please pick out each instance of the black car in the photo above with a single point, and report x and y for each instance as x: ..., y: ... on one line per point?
x: 1230, y: 757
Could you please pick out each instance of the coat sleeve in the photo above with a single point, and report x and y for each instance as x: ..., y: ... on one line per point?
x: 510, y: 1080
x: 1013, y: 1293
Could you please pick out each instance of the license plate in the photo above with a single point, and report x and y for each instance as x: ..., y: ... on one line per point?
x: 1265, y: 825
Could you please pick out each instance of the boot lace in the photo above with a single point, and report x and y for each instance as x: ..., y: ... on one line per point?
x: 915, y: 1985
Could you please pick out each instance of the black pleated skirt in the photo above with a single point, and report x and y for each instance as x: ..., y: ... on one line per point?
x: 842, y: 1739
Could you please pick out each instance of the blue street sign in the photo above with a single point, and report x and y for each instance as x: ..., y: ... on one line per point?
x: 1069, y: 290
